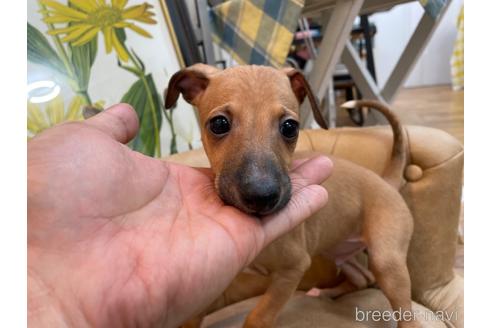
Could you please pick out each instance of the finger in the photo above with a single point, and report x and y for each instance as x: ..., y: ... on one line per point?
x: 307, y: 198
x: 119, y: 121
x: 312, y: 171
x: 205, y: 171
x: 308, y: 156
x: 298, y: 162
x: 302, y: 205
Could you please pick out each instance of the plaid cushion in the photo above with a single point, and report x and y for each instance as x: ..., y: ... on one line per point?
x: 256, y: 31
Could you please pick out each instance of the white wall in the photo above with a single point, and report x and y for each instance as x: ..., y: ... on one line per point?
x: 394, y: 29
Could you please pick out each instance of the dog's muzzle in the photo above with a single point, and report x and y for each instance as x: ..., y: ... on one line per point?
x: 258, y: 187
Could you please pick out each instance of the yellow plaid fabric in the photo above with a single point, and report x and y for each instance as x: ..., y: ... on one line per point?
x: 256, y: 31
x: 458, y: 56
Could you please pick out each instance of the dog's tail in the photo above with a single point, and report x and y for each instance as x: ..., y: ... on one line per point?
x: 394, y: 172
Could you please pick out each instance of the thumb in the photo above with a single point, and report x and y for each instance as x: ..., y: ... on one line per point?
x: 307, y: 197
x: 120, y: 121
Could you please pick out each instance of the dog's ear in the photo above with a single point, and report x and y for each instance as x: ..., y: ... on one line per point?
x: 301, y: 89
x: 191, y: 82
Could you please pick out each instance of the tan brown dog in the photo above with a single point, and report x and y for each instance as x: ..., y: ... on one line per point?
x: 322, y: 274
x: 248, y: 120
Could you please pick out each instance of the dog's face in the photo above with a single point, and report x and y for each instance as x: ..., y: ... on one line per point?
x: 249, y: 124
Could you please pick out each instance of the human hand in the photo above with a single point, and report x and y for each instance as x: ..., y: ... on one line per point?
x: 118, y: 238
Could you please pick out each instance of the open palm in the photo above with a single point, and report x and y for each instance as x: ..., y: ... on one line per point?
x: 117, y: 238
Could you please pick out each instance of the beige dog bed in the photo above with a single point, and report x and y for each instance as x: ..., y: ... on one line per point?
x: 307, y: 311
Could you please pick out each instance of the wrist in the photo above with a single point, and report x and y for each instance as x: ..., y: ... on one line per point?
x: 43, y: 308
x: 48, y: 304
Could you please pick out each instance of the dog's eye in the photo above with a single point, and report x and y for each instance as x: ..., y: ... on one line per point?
x: 289, y: 129
x: 219, y: 125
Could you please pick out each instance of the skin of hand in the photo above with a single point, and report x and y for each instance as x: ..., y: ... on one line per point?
x: 116, y: 238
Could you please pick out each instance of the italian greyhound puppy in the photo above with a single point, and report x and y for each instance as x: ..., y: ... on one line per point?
x: 248, y: 117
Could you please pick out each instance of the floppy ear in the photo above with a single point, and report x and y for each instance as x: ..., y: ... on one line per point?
x: 301, y: 88
x: 190, y: 81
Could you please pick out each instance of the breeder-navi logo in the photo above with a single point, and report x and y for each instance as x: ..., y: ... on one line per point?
x: 400, y: 315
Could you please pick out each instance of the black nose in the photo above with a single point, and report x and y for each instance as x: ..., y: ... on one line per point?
x: 262, y: 196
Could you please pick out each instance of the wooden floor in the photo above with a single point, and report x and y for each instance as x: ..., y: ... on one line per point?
x: 438, y: 107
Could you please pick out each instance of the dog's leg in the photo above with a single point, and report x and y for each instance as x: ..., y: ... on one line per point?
x: 388, y: 260
x: 194, y: 323
x: 356, y: 278
x: 358, y: 268
x: 345, y: 287
x: 283, y: 285
x: 393, y: 279
x: 244, y: 286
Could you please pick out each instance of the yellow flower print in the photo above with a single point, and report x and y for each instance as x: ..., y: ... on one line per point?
x: 54, y: 113
x: 86, y: 18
